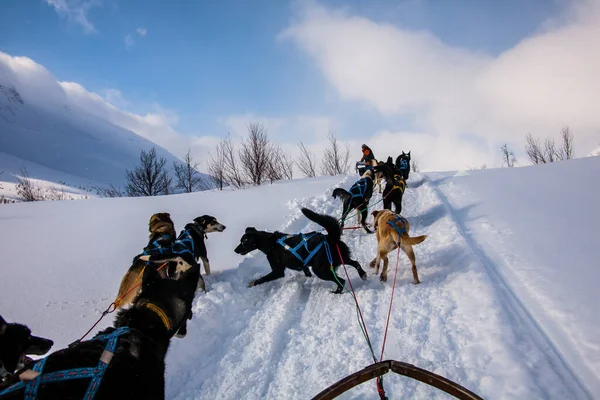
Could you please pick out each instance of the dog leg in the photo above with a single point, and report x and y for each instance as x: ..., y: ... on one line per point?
x: 364, y: 214
x: 271, y: 276
x: 201, y: 284
x: 383, y: 277
x: 306, y: 271
x: 411, y: 256
x: 356, y: 264
x: 328, y: 275
x: 206, y: 265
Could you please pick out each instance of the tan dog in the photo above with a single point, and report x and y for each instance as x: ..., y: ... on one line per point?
x: 378, y: 176
x: 162, y: 234
x: 388, y: 238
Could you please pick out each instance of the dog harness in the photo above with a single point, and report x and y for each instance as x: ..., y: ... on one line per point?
x: 404, y: 164
x: 359, y: 188
x: 397, y: 228
x: 156, y: 246
x: 31, y: 385
x: 399, y: 183
x: 303, y: 243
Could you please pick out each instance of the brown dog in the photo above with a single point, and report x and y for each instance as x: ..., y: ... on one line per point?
x: 388, y: 238
x: 162, y: 235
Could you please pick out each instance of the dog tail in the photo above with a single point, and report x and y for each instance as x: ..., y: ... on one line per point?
x: 330, y: 224
x: 341, y: 193
x: 413, y: 240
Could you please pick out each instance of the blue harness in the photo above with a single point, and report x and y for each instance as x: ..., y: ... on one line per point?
x: 403, y: 164
x: 183, y: 244
x: 397, y: 228
x: 96, y: 373
x: 304, y: 243
x: 359, y: 188
x: 156, y: 246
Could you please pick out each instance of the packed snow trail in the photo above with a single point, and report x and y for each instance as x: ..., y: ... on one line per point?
x: 292, y: 338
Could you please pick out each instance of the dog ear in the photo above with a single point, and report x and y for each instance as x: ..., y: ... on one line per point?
x: 250, y: 229
x: 374, y: 213
x: 408, y: 154
x: 3, y: 325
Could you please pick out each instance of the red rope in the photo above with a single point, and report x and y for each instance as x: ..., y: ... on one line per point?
x: 390, y: 309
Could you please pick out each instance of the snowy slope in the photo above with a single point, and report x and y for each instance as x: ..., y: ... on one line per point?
x: 494, y: 311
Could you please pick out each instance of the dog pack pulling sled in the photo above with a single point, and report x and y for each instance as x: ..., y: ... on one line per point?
x: 379, y: 369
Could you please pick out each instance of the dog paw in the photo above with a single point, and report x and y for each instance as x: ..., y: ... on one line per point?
x: 363, y: 275
x: 144, y: 258
x: 383, y: 278
x: 416, y: 282
x: 339, y: 290
x: 252, y: 283
x: 372, y: 264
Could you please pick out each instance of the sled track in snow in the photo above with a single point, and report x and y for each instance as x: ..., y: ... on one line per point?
x: 514, y: 304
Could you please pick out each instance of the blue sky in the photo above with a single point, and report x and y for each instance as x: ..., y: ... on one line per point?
x: 209, y: 60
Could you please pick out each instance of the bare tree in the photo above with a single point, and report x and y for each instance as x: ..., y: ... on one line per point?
x: 335, y: 161
x: 111, y: 191
x: 187, y: 175
x: 216, y: 168
x: 256, y: 154
x: 306, y: 162
x: 415, y: 166
x: 281, y: 166
x: 534, y: 151
x: 508, y: 157
x: 150, y: 178
x: 567, y: 151
x: 27, y: 189
x: 231, y: 164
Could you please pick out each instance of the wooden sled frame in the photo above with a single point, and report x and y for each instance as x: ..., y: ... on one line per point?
x: 401, y: 368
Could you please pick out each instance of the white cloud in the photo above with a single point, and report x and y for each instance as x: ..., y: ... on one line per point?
x: 455, y: 95
x: 141, y: 31
x: 129, y: 42
x: 76, y: 11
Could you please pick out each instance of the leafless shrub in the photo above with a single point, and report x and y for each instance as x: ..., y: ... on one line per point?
x: 55, y: 194
x: 111, y: 191
x: 280, y: 166
x: 256, y: 154
x: 231, y: 164
x: 27, y: 189
x: 335, y: 160
x: 306, y: 162
x: 187, y: 176
x: 414, y: 166
x: 216, y: 168
x: 508, y: 157
x: 150, y: 178
x: 567, y: 151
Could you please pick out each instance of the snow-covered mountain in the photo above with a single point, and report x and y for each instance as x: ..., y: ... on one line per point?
x: 507, y: 304
x: 69, y: 140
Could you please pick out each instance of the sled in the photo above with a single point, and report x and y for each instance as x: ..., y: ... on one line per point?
x: 401, y: 368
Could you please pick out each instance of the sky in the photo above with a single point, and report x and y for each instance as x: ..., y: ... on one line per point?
x: 449, y: 80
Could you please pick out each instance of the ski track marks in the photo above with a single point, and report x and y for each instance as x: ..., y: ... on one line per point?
x: 292, y: 338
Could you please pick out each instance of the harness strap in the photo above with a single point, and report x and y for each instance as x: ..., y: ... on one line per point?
x: 303, y: 243
x: 155, y: 245
x: 398, y: 229
x: 359, y: 188
x: 404, y: 164
x: 31, y: 379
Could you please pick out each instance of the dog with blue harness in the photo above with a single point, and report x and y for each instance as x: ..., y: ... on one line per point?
x: 403, y: 164
x: 357, y: 198
x: 392, y: 231
x: 323, y: 253
x: 126, y: 361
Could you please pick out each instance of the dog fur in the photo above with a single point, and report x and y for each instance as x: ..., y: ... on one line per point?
x: 175, y: 264
x: 387, y: 241
x: 361, y: 205
x: 137, y: 367
x: 378, y: 176
x: 394, y: 187
x: 279, y: 258
x: 16, y: 342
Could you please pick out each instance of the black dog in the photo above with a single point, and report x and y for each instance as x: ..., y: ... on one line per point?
x: 394, y: 187
x: 403, y: 164
x: 123, y: 362
x: 16, y: 342
x: 357, y: 199
x: 282, y: 251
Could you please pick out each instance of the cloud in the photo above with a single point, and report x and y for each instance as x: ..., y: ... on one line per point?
x: 141, y: 31
x: 129, y: 42
x: 76, y: 11
x: 460, y: 97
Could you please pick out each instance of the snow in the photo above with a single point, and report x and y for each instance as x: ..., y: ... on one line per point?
x: 506, y: 307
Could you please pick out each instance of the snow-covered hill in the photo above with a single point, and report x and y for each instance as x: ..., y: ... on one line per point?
x: 507, y: 306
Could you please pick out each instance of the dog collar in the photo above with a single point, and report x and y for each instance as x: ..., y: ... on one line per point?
x: 161, y: 314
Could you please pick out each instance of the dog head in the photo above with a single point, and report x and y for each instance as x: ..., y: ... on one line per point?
x: 209, y: 224
x: 16, y: 342
x: 161, y: 223
x: 249, y: 241
x: 173, y: 297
